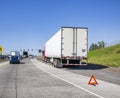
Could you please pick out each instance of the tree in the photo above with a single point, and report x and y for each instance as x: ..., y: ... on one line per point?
x: 99, y: 45
x: 93, y: 47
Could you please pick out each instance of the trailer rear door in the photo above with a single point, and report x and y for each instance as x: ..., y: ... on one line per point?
x: 74, y: 42
x: 67, y: 41
x: 82, y: 42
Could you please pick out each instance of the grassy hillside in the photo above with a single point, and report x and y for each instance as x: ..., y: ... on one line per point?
x: 109, y: 56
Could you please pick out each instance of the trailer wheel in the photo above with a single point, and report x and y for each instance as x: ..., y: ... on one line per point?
x: 57, y: 63
x: 54, y: 62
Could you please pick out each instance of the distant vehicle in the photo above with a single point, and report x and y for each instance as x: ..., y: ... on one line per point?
x: 31, y: 56
x: 3, y: 56
x: 15, y: 57
x: 25, y: 54
x: 67, y: 47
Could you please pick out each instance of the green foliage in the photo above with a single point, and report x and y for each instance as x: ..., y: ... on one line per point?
x: 99, y: 45
x: 109, y: 56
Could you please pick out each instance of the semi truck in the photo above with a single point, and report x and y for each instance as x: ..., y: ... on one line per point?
x: 25, y: 54
x: 67, y: 47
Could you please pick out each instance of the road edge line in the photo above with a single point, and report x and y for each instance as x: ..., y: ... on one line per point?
x: 4, y: 63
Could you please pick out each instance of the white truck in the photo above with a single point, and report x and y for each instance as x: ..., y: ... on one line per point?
x: 67, y: 47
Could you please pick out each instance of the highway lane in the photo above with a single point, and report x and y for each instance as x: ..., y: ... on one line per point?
x: 25, y: 80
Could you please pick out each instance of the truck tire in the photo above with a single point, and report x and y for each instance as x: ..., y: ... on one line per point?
x: 54, y: 62
x: 57, y: 63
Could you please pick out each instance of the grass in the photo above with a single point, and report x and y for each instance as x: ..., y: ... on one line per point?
x: 109, y: 56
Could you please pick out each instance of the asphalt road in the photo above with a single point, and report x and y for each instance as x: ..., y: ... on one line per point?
x: 99, y: 71
x: 25, y: 80
x: 102, y: 90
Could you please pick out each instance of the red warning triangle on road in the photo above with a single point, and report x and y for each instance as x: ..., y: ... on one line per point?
x: 92, y: 80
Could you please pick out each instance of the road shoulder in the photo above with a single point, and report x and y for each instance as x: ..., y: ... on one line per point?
x: 80, y: 81
x: 4, y: 63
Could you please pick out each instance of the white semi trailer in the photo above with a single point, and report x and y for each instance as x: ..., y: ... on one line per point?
x: 67, y: 47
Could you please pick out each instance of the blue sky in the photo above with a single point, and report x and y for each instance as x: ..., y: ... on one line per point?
x: 28, y: 24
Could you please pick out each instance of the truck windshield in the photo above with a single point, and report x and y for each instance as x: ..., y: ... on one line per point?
x: 13, y: 53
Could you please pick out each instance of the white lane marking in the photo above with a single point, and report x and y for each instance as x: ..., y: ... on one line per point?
x: 68, y: 81
x: 4, y: 63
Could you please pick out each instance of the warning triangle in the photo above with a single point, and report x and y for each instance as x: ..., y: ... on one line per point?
x: 92, y: 80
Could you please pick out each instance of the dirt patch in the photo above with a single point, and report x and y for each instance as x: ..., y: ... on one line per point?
x: 114, y: 69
